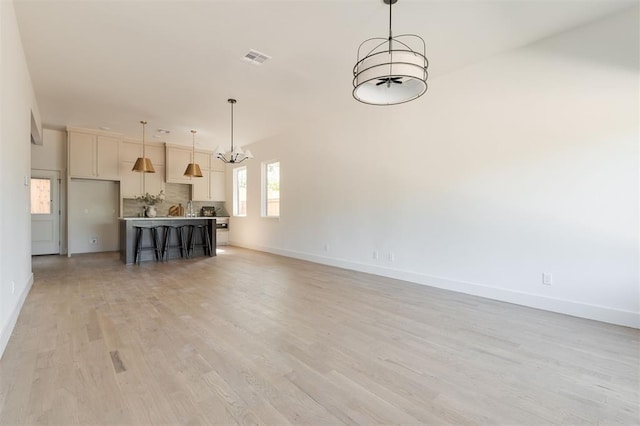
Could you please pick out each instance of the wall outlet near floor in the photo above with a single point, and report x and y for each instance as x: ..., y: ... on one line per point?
x: 547, y: 278
x: 93, y: 240
x: 326, y: 247
x: 392, y: 256
x: 376, y: 255
x: 13, y: 287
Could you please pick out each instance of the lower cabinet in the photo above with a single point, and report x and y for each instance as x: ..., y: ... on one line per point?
x: 222, y: 231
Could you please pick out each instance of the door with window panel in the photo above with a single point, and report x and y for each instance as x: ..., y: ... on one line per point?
x: 45, y: 212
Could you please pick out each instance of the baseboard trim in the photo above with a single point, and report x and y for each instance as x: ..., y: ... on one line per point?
x: 5, y: 334
x: 561, y: 306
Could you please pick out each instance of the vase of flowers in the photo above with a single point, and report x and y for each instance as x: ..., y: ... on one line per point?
x: 150, y: 202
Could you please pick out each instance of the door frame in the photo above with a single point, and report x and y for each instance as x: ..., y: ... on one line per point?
x: 54, y: 176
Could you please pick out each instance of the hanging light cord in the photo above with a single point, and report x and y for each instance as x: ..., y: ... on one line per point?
x: 390, y: 3
x: 193, y: 150
x: 232, y: 130
x: 390, y: 48
x: 144, y: 123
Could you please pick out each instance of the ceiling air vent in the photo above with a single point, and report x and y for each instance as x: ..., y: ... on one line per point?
x: 255, y: 57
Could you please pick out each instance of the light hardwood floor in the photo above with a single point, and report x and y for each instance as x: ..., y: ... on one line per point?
x: 249, y: 337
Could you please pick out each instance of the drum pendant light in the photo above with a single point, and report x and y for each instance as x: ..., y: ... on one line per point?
x: 143, y: 164
x: 193, y: 169
x: 390, y: 70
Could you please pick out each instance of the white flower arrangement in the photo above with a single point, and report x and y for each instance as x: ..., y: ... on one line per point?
x: 151, y: 200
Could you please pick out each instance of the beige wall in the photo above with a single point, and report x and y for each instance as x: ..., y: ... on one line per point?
x: 52, y: 155
x: 17, y: 105
x: 93, y: 215
x: 522, y: 164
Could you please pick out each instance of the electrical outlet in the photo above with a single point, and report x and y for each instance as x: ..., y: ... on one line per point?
x: 376, y: 255
x: 326, y: 247
x: 392, y: 256
x: 547, y: 278
x: 13, y: 287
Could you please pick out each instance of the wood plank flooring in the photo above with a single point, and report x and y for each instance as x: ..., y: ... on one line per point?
x: 249, y: 337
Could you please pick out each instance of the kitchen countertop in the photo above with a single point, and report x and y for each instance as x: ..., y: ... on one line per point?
x: 169, y: 218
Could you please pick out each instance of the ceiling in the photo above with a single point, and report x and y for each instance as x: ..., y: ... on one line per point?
x: 112, y: 63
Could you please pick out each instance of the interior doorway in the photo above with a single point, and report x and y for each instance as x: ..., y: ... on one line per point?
x: 45, y: 212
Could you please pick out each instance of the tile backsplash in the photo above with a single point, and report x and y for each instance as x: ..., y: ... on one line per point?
x: 175, y: 193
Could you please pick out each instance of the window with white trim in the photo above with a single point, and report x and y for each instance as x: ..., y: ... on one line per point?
x: 240, y: 191
x: 271, y: 189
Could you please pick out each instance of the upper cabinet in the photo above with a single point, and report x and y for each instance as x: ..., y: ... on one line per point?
x: 93, y: 155
x: 210, y: 187
x: 135, y: 183
x: 177, y: 159
x: 200, y: 191
x: 107, y: 157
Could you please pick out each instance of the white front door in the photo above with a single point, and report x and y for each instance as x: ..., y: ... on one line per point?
x: 45, y: 212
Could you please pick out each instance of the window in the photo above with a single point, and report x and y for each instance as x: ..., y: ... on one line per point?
x: 271, y: 189
x: 240, y: 191
x: 40, y: 196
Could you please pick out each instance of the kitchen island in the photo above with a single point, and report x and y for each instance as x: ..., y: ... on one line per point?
x: 128, y: 236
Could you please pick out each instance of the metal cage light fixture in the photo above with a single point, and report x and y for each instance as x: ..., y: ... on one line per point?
x: 193, y: 169
x: 236, y: 155
x: 393, y: 70
x: 143, y: 164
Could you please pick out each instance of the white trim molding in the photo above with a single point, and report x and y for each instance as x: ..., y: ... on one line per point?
x: 561, y: 306
x: 7, y: 329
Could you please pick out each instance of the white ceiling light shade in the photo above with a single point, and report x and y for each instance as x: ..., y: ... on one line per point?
x: 236, y: 155
x: 393, y: 70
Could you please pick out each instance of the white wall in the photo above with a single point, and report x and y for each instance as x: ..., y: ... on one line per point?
x: 52, y: 155
x: 17, y: 104
x: 93, y: 214
x: 522, y: 164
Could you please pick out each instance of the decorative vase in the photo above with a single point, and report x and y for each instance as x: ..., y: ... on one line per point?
x: 150, y: 211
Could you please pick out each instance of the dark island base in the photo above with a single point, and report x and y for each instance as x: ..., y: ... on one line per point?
x: 128, y: 238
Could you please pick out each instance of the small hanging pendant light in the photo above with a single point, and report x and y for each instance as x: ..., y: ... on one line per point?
x: 236, y: 155
x: 143, y: 164
x: 193, y: 169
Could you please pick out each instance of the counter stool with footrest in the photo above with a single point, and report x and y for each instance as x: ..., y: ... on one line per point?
x: 153, y: 230
x: 179, y: 231
x: 205, y: 241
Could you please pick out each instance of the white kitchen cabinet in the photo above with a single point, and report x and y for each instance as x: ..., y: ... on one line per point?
x: 200, y: 187
x: 210, y: 187
x: 107, y: 158
x: 203, y: 159
x: 82, y: 154
x: 216, y: 185
x: 217, y: 164
x: 222, y: 231
x: 93, y: 156
x: 153, y: 183
x: 131, y: 183
x: 176, y: 161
